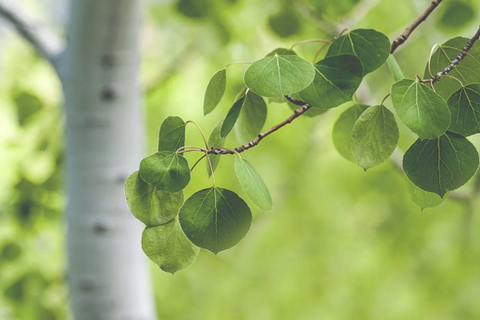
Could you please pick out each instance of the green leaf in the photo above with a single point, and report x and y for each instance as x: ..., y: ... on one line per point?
x: 148, y: 204
x: 275, y: 76
x: 465, y: 109
x: 168, y: 247
x: 232, y: 117
x: 165, y: 171
x: 215, y: 141
x: 374, y: 137
x: 467, y: 71
x: 172, y: 134
x: 253, y: 184
x: 215, y: 219
x: 421, y: 110
x: 336, y: 80
x: 371, y: 47
x: 282, y: 52
x: 441, y: 164
x: 215, y: 90
x: 394, y: 67
x: 252, y: 118
x: 342, y: 130
x: 422, y: 198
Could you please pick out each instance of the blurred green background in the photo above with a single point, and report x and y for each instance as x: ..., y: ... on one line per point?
x: 339, y: 244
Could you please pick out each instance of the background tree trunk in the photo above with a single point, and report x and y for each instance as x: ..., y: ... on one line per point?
x: 107, y: 274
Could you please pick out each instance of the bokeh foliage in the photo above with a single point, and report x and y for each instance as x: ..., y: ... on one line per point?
x: 339, y: 243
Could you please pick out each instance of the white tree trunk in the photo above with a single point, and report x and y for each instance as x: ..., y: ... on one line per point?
x: 108, y: 275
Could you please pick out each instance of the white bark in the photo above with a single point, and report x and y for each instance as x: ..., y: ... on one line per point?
x: 107, y: 275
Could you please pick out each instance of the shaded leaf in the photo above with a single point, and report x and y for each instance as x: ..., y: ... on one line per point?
x: 215, y: 219
x: 371, y: 47
x: 148, y: 204
x: 215, y: 90
x: 420, y: 109
x: 232, y: 117
x: 26, y: 104
x: 374, y: 137
x: 172, y: 134
x: 168, y: 247
x: 441, y: 164
x: 467, y: 71
x: 166, y: 171
x: 252, y: 118
x: 284, y: 23
x: 312, y: 112
x: 215, y: 141
x: 336, y: 80
x: 275, y: 76
x: 342, y: 130
x: 253, y: 184
x: 422, y: 198
x: 464, y: 106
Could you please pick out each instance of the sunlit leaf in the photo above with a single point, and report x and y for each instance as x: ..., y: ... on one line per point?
x: 148, y: 204
x: 342, y: 130
x: 467, y: 71
x: 215, y: 90
x: 168, y: 247
x: 422, y: 198
x: 253, y: 184
x: 369, y: 46
x: 232, y: 117
x: 172, y: 134
x: 165, y: 171
x: 465, y: 109
x: 275, y: 76
x: 215, y: 141
x: 441, y: 164
x: 215, y: 219
x: 394, y: 68
x: 252, y: 118
x: 420, y: 109
x: 336, y: 80
x: 26, y: 105
x: 374, y: 137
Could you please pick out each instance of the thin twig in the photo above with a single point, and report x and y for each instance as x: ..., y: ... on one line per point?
x: 401, y: 39
x: 47, y: 44
x: 298, y: 112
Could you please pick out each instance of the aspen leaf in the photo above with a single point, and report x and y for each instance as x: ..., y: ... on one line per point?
x: 166, y: 171
x: 172, y: 134
x: 442, y: 164
x: 423, y: 199
x: 374, y: 137
x: 232, y: 117
x: 251, y: 119
x: 253, y: 184
x: 464, y: 106
x: 215, y: 90
x: 215, y: 141
x: 215, y: 219
x: 148, y: 204
x: 274, y: 76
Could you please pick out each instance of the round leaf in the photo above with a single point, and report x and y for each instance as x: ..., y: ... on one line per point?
x: 215, y: 219
x: 150, y: 205
x: 253, y: 184
x: 374, y: 137
x: 168, y: 247
x: 422, y: 198
x: 215, y: 90
x: 420, y: 109
x: 336, y: 80
x: 342, y: 130
x: 275, y: 76
x: 441, y: 164
x: 172, y: 134
x: 369, y: 46
x: 165, y: 171
x: 465, y: 109
x: 467, y: 71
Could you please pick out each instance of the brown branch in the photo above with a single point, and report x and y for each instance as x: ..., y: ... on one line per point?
x: 298, y: 112
x: 401, y: 39
x: 459, y: 58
